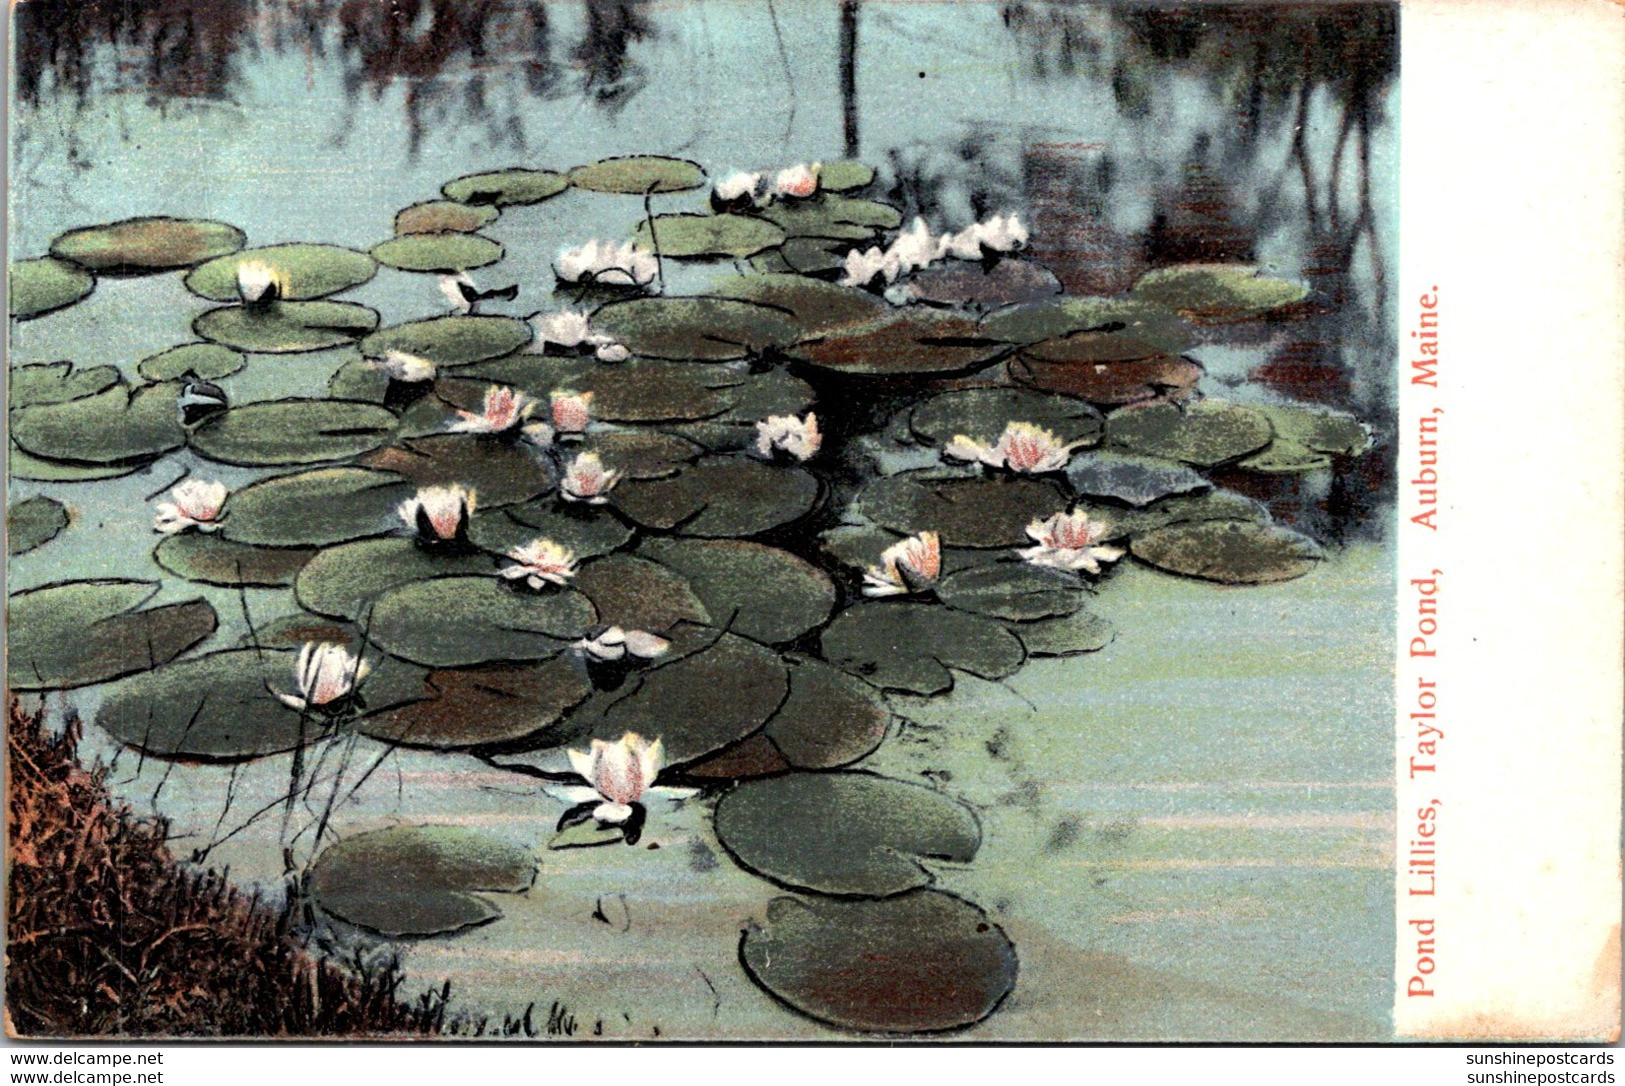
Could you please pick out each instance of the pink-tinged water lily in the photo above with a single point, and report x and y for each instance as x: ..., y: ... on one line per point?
x: 799, y: 181
x: 503, y: 410
x: 613, y: 643
x: 258, y: 282
x: 327, y: 674
x: 401, y: 366
x: 541, y: 561
x: 586, y: 480
x: 1069, y: 541
x: 1023, y: 447
x: 798, y: 437
x: 439, y: 513
x: 195, y: 504
x: 619, y: 775
x: 906, y: 567
x: 571, y: 411
x: 607, y: 262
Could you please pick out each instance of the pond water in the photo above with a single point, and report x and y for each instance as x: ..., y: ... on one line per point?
x: 1187, y: 834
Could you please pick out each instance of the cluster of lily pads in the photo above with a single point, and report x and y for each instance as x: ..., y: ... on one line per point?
x: 654, y: 541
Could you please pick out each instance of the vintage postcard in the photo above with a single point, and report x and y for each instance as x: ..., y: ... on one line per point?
x: 812, y: 520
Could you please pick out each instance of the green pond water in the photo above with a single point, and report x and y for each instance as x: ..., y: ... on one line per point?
x: 1186, y: 835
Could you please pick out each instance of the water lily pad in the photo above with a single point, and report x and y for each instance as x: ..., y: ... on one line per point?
x: 75, y: 633
x: 588, y: 834
x: 642, y: 390
x: 208, y: 559
x: 343, y: 581
x: 208, y: 361
x: 505, y: 188
x: 637, y: 594
x: 1137, y: 480
x: 315, y: 508
x: 447, y: 251
x: 804, y: 256
x: 844, y: 176
x: 46, y: 284
x: 286, y: 327
x: 1118, y: 522
x: 118, y: 425
x: 695, y: 329
x: 638, y: 174
x: 904, y: 343
x: 1320, y: 429
x: 851, y: 834
x: 410, y: 881
x: 588, y: 531
x: 916, y: 963
x: 1065, y: 635
x: 462, y: 621
x: 293, y: 432
x: 24, y: 465
x: 33, y: 522
x: 840, y: 218
x: 358, y: 381
x: 721, y: 496
x: 147, y: 244
x: 1218, y: 293
x: 1283, y: 456
x: 983, y: 413
x: 911, y: 646
x: 774, y: 392
x: 642, y: 454
x: 699, y: 235
x: 1229, y: 551
x: 1091, y: 329
x: 763, y: 593
x: 1112, y: 383
x: 499, y: 472
x: 1205, y: 434
x: 484, y: 706
x: 965, y: 510
x: 442, y: 216
x: 830, y: 718
x: 305, y: 271
x: 968, y: 284
x: 58, y: 382
x: 451, y: 341
x: 818, y: 308
x: 1016, y: 591
x: 297, y: 630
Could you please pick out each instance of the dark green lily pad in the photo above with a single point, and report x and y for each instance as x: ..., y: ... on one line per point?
x: 642, y: 390
x: 705, y: 236
x: 499, y: 472
x: 720, y: 497
x: 484, y: 706
x: 636, y: 175
x: 983, y: 413
x: 33, y: 522
x: 442, y: 216
x: 759, y: 592
x: 448, y: 251
x: 1229, y: 551
x: 119, y: 424
x: 774, y: 392
x: 850, y: 834
x: 818, y: 308
x: 904, y: 343
x: 1137, y: 480
x: 965, y: 510
x: 316, y: 508
x: 343, y: 581
x: 911, y: 646
x: 75, y: 633
x: 505, y: 188
x: 297, y: 630
x: 1091, y: 329
x: 451, y: 341
x: 208, y: 361
x: 1320, y: 429
x: 293, y: 432
x: 840, y: 218
x: 1205, y: 434
x: 208, y: 559
x: 58, y: 382
x: 1217, y: 293
x: 642, y: 454
x: 636, y: 594
x: 844, y: 176
x: 1178, y: 509
x: 804, y: 256
x: 24, y: 465
x: 46, y: 284
x: 968, y: 284
x: 358, y: 381
x: 1112, y: 383
x: 286, y: 327
x: 695, y: 329
x: 1284, y: 456
x: 1065, y: 635
x: 306, y: 271
x: 830, y: 719
x: 916, y: 963
x: 1016, y: 591
x: 411, y: 881
x: 586, y: 530
x: 147, y: 244
x: 462, y: 621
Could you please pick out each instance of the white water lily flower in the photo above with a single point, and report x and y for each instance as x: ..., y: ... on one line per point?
x: 798, y: 437
x: 606, y: 262
x: 1023, y: 447
x: 586, y: 480
x: 861, y: 267
x: 1069, y: 541
x: 907, y: 567
x: 620, y: 774
x: 571, y: 411
x: 541, y: 561
x: 537, y: 433
x: 326, y: 673
x: 195, y: 504
x: 439, y: 513
x: 567, y: 328
x: 503, y: 410
x: 738, y: 185
x: 610, y: 351
x: 452, y: 286
x: 401, y: 366
x: 1000, y: 234
x: 799, y: 181
x: 614, y: 643
x: 258, y: 281
x: 915, y: 247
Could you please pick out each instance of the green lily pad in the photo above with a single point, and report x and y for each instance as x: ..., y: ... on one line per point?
x: 638, y: 174
x: 315, y: 508
x: 830, y: 718
x: 840, y: 218
x: 588, y: 531
x: 293, y: 432
x: 911, y: 646
x: 1283, y: 456
x: 1137, y: 480
x: 916, y: 963
x: 208, y: 559
x: 33, y: 522
x: 207, y: 361
x: 1205, y: 434
x: 306, y: 271
x: 342, y: 581
x: 759, y: 592
x: 642, y: 390
x: 46, y: 284
x: 983, y: 413
x: 499, y: 472
x: 462, y: 621
x: 286, y: 327
x: 75, y: 633
x: 642, y: 454
x: 968, y: 284
x: 637, y: 594
x: 851, y: 834
x: 720, y: 497
x: 1217, y: 293
x: 1065, y: 635
x: 844, y: 176
x: 1229, y: 551
x: 706, y: 236
x: 1111, y: 383
x: 448, y: 251
x: 358, y: 381
x: 443, y: 216
x: 588, y: 834
x: 451, y: 341
x: 505, y: 188
x: 1119, y: 522
x: 1320, y: 429
x: 1091, y: 329
x: 803, y: 256
x: 411, y: 881
x: 818, y: 308
x: 117, y: 425
x: 58, y: 382
x: 297, y: 630
x: 774, y: 392
x: 964, y: 510
x: 1016, y: 591
x: 147, y: 244
x: 695, y: 329
x: 904, y: 343
x: 484, y: 706
x: 25, y: 465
